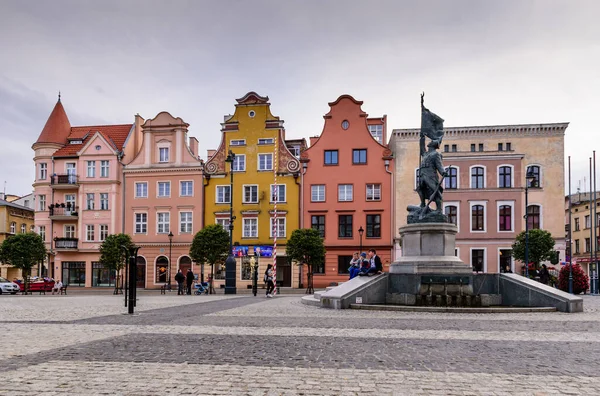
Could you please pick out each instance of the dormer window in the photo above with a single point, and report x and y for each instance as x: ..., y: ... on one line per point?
x: 163, y: 154
x: 79, y: 141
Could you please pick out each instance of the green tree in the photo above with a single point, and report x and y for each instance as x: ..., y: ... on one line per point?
x: 541, y: 247
x: 112, y: 255
x: 305, y: 246
x: 210, y: 245
x: 23, y: 251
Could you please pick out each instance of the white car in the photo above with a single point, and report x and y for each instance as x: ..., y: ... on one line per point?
x: 7, y: 286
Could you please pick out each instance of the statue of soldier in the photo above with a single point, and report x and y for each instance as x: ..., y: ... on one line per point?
x: 430, y: 187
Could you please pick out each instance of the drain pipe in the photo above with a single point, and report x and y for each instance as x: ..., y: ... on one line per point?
x: 393, y: 214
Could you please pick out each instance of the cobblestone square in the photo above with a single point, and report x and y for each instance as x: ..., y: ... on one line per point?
x: 84, y: 344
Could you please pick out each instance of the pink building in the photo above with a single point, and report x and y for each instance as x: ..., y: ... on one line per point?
x: 78, y: 194
x: 347, y: 186
x: 163, y: 194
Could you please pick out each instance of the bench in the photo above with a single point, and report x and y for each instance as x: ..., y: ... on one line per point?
x: 63, y: 290
x: 163, y: 289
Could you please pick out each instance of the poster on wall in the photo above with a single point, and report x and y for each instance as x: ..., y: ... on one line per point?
x: 264, y: 251
x: 240, y: 251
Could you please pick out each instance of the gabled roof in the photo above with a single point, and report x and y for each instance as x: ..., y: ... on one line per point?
x: 57, y: 127
x: 253, y: 98
x: 14, y: 205
x: 115, y: 135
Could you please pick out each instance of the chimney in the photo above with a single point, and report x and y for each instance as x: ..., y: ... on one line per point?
x: 194, y: 145
x: 313, y: 140
x: 210, y: 153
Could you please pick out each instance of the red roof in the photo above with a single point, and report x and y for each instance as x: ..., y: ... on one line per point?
x: 115, y: 135
x: 57, y: 127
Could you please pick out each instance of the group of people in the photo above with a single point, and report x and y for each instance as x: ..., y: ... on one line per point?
x: 365, y: 264
x: 188, y: 278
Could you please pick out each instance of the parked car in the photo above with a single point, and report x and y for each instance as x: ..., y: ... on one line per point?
x: 7, y: 286
x: 38, y: 285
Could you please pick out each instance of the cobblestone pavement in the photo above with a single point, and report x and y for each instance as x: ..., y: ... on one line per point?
x: 244, y: 345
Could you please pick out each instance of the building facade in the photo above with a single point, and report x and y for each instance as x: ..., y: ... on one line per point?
x: 266, y: 190
x: 583, y: 235
x: 15, y: 219
x: 163, y: 200
x: 347, y: 189
x: 484, y: 192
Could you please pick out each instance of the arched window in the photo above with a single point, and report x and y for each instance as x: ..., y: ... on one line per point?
x: 162, y: 267
x: 23, y: 228
x: 185, y: 263
x: 477, y: 217
x: 505, y: 177
x: 452, y: 212
x: 533, y: 217
x: 13, y: 228
x: 534, y: 170
x: 451, y: 181
x: 477, y: 177
x: 141, y: 271
x: 505, y: 218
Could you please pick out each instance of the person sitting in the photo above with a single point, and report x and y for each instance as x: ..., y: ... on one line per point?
x: 354, y: 265
x: 368, y: 267
x: 56, y: 288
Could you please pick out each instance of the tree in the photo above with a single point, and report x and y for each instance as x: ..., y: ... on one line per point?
x: 305, y: 246
x: 210, y: 245
x: 23, y: 251
x: 541, y: 247
x: 112, y: 255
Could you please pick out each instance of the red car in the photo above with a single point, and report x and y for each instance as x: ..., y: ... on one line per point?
x: 37, y: 286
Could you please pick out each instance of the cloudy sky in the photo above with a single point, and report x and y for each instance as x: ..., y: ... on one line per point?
x: 479, y: 62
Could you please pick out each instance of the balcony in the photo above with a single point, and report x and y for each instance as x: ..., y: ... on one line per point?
x: 58, y: 212
x: 66, y: 243
x: 64, y: 181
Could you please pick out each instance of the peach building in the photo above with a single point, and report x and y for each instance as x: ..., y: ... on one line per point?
x: 484, y: 192
x: 78, y: 194
x: 347, y: 186
x: 163, y: 194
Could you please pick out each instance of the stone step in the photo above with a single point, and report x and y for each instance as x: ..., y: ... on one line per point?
x: 413, y: 308
x: 317, y: 295
x: 311, y: 300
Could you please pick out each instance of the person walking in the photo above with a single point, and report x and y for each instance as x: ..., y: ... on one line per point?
x: 269, y: 280
x: 189, y: 279
x: 179, y: 278
x: 544, y: 275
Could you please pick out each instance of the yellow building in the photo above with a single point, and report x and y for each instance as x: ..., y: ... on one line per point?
x: 266, y: 189
x: 14, y: 219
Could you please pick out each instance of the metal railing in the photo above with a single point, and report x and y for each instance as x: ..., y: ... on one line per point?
x: 66, y: 243
x: 64, y: 179
x: 64, y: 211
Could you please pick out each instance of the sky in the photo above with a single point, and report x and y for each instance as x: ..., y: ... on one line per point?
x: 479, y: 62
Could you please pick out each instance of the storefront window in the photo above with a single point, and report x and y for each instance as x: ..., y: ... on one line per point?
x: 73, y: 273
x: 101, y: 276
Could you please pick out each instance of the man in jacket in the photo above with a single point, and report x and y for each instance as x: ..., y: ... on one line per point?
x: 375, y: 261
x: 179, y: 278
x: 189, y: 279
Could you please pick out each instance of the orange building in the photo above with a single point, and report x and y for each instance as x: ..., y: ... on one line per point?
x: 347, y: 188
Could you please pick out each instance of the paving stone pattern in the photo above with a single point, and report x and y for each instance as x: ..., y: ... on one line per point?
x: 249, y: 345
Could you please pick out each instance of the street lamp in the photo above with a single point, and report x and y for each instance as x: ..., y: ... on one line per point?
x: 230, y: 267
x: 529, y: 179
x: 360, y: 233
x: 169, y: 268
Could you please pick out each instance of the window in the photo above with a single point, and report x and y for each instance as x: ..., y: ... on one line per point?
x: 477, y: 216
x: 70, y: 201
x: 23, y: 228
x: 164, y: 189
x: 223, y: 222
x: 508, y: 146
x: 43, y: 171
x: 377, y: 132
x: 505, y: 218
x: 359, y: 156
x: 295, y: 150
x: 89, y: 232
x: 91, y: 168
x: 505, y: 177
x: 480, y: 146
x: 223, y: 194
x: 266, y: 141
x: 104, y: 168
x: 265, y: 162
x: 452, y: 212
x: 373, y: 192
x: 345, y: 124
x: 373, y: 226
x: 454, y: 148
x: 103, y: 231
x: 331, y: 157
x: 185, y: 222
x: 103, y: 201
x: 344, y: 192
x: 344, y: 264
x: 588, y: 245
x: 477, y: 257
x: 500, y: 147
x: 163, y: 154
x: 13, y: 228
x: 477, y: 177
x: 577, y: 251
x: 317, y: 222
x: 162, y: 222
x: 69, y: 231
x: 533, y: 217
x: 141, y: 190
x: 576, y: 223
x: 89, y: 201
x: 473, y: 147
x: 42, y: 232
x: 239, y: 163
x: 278, y: 193
x: 26, y: 203
x: 42, y: 200
x: 535, y: 171
x: 251, y: 194
x: 237, y: 142
x: 141, y: 223
x: 451, y: 181
x: 279, y: 227
x: 587, y: 222
x: 186, y: 188
x: 446, y: 148
x: 250, y: 229
x: 345, y: 226
x: 317, y: 193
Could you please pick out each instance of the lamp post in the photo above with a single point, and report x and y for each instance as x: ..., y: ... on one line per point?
x: 169, y: 268
x: 529, y: 179
x: 360, y: 234
x: 230, y: 266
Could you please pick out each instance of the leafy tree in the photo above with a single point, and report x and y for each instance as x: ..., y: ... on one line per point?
x: 23, y: 251
x: 112, y: 255
x: 210, y: 245
x: 541, y: 247
x: 305, y: 246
